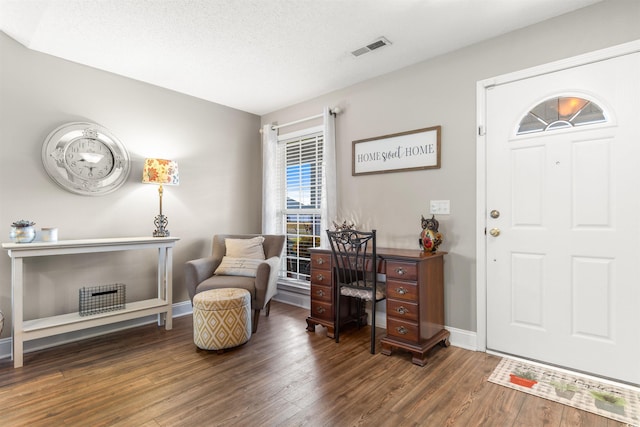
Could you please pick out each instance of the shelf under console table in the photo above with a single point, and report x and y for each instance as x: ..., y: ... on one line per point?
x: 26, y: 330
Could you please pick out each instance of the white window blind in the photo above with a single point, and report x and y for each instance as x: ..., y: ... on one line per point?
x: 300, y: 162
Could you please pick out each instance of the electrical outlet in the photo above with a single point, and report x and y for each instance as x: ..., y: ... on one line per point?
x: 439, y: 207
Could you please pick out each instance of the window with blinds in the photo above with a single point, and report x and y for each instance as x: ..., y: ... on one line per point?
x: 301, y: 172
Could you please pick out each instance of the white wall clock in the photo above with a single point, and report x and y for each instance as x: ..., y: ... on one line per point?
x: 85, y: 158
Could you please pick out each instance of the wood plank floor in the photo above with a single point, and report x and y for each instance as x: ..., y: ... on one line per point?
x: 284, y: 376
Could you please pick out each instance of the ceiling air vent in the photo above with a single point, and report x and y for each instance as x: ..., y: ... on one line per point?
x: 372, y: 46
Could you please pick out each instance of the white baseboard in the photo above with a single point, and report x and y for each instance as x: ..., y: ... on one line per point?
x: 463, y: 339
x: 458, y: 338
x: 293, y: 298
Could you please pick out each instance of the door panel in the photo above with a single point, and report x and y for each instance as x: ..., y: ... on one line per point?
x: 592, y: 288
x: 527, y: 290
x: 563, y: 274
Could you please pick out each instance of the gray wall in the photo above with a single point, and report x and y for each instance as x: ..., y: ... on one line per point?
x: 218, y: 152
x: 217, y: 149
x: 442, y: 92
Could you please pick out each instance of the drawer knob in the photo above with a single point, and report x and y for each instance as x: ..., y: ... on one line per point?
x: 402, y: 310
x: 320, y: 277
x: 320, y: 293
x: 400, y: 271
x: 402, y: 330
x: 320, y: 310
x: 401, y: 290
x: 320, y: 261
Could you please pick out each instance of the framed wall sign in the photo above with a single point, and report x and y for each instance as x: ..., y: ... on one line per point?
x: 413, y: 150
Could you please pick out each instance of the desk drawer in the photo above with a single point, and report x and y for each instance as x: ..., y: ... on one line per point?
x: 406, y: 291
x: 407, y: 331
x: 322, y: 261
x: 321, y: 310
x: 320, y: 293
x: 402, y: 309
x: 320, y: 277
x: 402, y: 270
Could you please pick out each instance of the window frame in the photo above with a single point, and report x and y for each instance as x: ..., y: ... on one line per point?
x: 286, y: 276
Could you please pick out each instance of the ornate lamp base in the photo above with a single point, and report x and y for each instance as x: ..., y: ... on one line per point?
x: 161, y: 222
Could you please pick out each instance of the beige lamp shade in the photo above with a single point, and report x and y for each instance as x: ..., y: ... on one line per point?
x: 160, y: 171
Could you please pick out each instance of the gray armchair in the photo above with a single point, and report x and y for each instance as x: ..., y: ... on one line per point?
x: 199, y: 273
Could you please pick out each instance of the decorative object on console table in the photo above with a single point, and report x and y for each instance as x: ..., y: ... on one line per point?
x: 49, y: 234
x: 100, y: 299
x: 22, y: 231
x: 415, y: 302
x: 162, y: 172
x: 430, y: 237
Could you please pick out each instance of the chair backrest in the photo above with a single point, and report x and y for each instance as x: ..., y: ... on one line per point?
x: 354, y: 256
x: 272, y: 245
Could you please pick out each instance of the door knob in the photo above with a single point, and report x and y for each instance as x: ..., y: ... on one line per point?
x: 495, y: 232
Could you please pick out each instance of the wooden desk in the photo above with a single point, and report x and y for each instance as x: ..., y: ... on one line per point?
x: 415, y: 299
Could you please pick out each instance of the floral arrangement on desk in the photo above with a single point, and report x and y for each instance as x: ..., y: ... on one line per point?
x: 344, y: 226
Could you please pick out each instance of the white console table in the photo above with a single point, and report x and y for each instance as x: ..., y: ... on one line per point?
x: 25, y: 330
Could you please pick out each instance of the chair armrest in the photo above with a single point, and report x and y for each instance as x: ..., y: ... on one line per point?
x: 266, y: 281
x: 197, y: 271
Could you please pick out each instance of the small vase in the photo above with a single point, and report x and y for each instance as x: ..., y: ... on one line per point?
x: 22, y: 234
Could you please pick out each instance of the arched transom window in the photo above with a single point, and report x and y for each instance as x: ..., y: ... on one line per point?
x: 560, y: 113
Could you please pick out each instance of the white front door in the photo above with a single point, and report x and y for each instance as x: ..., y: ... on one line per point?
x: 563, y: 263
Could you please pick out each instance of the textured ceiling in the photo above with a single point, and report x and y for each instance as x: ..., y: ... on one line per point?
x: 261, y: 55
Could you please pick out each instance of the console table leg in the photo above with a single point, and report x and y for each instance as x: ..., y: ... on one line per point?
x: 165, y: 285
x: 17, y: 310
x: 168, y: 295
x: 162, y: 277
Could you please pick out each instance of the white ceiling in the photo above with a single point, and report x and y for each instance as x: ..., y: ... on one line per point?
x: 261, y: 55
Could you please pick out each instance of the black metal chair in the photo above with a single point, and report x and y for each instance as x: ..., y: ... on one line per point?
x: 355, y: 274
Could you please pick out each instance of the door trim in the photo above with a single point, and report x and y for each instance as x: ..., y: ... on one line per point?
x: 481, y: 160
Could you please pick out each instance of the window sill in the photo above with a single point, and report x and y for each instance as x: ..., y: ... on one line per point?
x: 294, y: 293
x: 294, y: 286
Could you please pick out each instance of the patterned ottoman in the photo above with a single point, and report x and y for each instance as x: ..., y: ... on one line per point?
x: 221, y: 318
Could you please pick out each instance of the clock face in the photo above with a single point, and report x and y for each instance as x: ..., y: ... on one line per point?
x: 85, y: 158
x: 89, y: 158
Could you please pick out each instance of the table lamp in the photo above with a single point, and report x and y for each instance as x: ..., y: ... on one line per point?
x: 162, y: 172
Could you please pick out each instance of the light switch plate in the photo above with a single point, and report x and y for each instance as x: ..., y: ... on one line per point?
x: 439, y: 207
